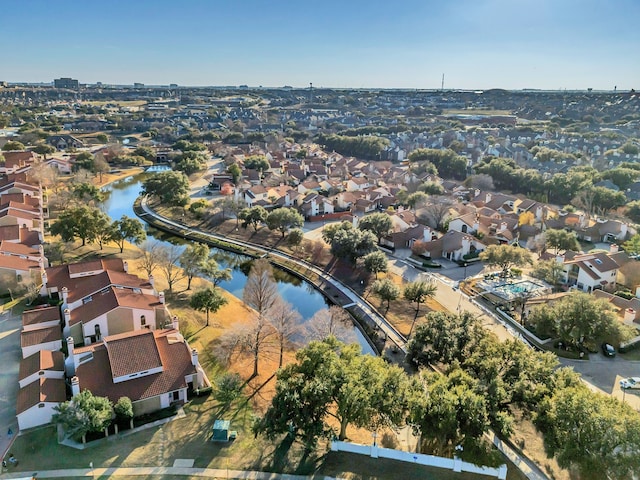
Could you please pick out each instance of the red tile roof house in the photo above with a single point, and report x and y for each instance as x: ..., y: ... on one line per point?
x: 453, y: 246
x: 590, y: 271
x: 155, y: 369
x: 40, y: 331
x: 42, y: 387
x: 17, y: 161
x: 112, y: 311
x: 37, y: 400
x: 85, y: 278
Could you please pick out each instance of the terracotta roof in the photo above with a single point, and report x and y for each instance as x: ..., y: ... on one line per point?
x: 42, y: 360
x: 17, y: 248
x: 9, y: 232
x: 82, y: 267
x: 80, y: 287
x: 19, y: 197
x: 96, y: 375
x: 41, y: 315
x: 46, y: 390
x: 22, y: 235
x: 111, y: 298
x: 12, y: 262
x: 18, y: 158
x: 132, y: 352
x: 36, y: 337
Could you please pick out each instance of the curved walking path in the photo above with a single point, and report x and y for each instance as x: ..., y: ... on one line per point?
x: 328, y: 279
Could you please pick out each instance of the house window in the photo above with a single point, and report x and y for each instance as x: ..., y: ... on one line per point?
x: 86, y: 300
x: 175, y: 396
x: 464, y: 229
x: 143, y: 320
x: 41, y: 372
x: 98, y: 334
x: 41, y: 405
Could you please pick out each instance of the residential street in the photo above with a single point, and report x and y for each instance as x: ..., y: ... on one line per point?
x: 10, y: 356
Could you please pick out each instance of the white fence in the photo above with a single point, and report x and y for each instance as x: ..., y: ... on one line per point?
x: 454, y: 464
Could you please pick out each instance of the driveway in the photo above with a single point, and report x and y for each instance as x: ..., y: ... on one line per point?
x: 10, y: 356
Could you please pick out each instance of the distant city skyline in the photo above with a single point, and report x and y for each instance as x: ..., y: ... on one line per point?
x: 476, y: 44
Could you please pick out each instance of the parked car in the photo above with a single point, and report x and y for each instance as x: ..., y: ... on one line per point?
x: 608, y: 350
x: 631, y: 382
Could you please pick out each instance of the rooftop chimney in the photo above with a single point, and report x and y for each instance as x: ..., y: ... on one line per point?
x: 65, y: 294
x: 161, y: 297
x: 175, y: 324
x: 151, y: 280
x: 613, y: 248
x: 66, y: 322
x: 69, y: 362
x: 125, y: 266
x: 75, y: 386
x: 194, y: 357
x: 629, y: 315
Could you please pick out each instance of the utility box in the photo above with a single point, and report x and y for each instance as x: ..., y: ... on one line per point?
x: 221, y: 431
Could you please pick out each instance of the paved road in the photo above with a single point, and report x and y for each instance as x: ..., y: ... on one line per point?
x: 604, y: 374
x: 10, y: 355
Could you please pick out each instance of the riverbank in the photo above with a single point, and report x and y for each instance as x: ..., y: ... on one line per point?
x: 383, y: 337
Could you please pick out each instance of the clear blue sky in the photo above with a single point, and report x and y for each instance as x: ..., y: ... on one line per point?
x: 547, y: 44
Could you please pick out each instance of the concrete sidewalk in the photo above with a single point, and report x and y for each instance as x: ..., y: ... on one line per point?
x: 159, y: 471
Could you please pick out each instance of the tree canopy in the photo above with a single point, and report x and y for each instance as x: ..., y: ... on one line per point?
x: 380, y: 224
x: 331, y: 379
x: 376, y: 262
x: 505, y: 257
x: 369, y: 147
x: 83, y: 222
x: 561, y: 240
x: 347, y: 242
x: 82, y: 414
x: 171, y: 188
x: 253, y: 216
x: 593, y: 432
x: 448, y: 162
x: 207, y: 300
x: 283, y: 219
x: 576, y: 319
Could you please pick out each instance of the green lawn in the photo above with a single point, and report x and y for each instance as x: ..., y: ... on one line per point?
x: 189, y: 438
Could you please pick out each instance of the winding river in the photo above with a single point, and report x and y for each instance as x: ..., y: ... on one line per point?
x: 302, y: 295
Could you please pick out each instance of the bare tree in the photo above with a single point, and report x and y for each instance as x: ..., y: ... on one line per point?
x: 46, y: 175
x: 481, y: 182
x: 285, y: 321
x: 260, y: 291
x: 168, y: 261
x: 253, y: 338
x: 332, y: 321
x: 436, y: 213
x: 150, y: 256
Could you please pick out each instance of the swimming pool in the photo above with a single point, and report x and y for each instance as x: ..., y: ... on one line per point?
x: 510, y: 291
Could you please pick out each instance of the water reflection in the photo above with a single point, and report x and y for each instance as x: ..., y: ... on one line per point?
x: 297, y: 292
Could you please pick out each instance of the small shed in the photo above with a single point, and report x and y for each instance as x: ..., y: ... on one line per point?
x: 221, y: 431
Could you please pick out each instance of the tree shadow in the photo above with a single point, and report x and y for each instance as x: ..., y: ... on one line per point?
x: 281, y: 453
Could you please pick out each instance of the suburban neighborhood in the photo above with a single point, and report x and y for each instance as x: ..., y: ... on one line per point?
x: 511, y: 218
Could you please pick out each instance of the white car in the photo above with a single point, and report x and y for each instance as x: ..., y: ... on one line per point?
x: 631, y: 382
